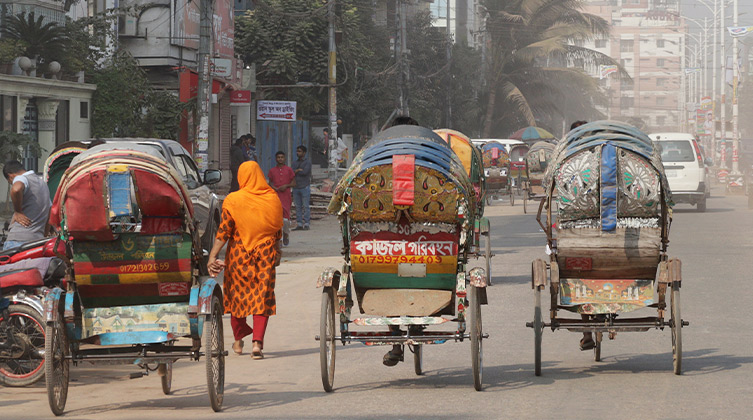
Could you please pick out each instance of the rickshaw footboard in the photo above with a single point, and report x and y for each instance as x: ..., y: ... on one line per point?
x: 615, y: 325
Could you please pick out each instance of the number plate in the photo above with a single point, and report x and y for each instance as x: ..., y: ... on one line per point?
x: 671, y: 174
x: 411, y: 270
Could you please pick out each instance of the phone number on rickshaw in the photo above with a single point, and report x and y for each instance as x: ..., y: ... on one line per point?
x: 144, y: 268
x: 396, y: 259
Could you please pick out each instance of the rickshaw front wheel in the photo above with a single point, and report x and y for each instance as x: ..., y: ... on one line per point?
x: 167, y: 378
x: 214, y: 348
x: 538, y: 330
x: 57, y: 366
x: 418, y: 359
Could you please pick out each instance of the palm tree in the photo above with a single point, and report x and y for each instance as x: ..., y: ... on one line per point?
x: 45, y: 41
x: 532, y: 42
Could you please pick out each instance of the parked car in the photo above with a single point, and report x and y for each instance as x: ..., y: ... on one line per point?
x: 207, y: 205
x: 685, y: 167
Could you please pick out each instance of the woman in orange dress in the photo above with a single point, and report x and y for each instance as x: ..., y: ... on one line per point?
x: 252, y: 224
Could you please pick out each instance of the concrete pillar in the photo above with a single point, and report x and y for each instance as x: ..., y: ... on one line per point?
x: 47, y: 109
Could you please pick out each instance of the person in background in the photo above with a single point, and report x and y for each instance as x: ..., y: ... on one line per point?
x: 302, y: 189
x: 577, y: 124
x: 250, y: 147
x: 251, y: 225
x: 237, y: 157
x: 282, y: 179
x: 31, y: 205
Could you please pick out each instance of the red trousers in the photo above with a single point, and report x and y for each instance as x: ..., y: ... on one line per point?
x: 241, y: 328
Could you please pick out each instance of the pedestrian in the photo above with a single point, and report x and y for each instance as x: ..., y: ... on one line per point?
x: 282, y: 179
x: 251, y: 225
x: 302, y: 189
x: 339, y: 149
x: 31, y: 205
x: 250, y: 147
x: 237, y: 157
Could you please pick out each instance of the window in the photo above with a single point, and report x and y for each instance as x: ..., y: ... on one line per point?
x: 627, y: 84
x: 439, y: 9
x: 659, y: 43
x: 661, y: 82
x: 625, y: 62
x: 627, y: 102
x: 626, y: 45
x: 676, y: 151
x: 660, y: 62
x: 660, y: 101
x: 601, y: 43
x: 83, y: 112
x: 661, y: 120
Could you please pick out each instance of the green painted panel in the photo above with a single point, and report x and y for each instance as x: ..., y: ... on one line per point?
x: 393, y: 281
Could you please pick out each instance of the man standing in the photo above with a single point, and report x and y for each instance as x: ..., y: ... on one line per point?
x: 282, y: 179
x: 250, y: 147
x: 302, y: 189
x: 31, y: 205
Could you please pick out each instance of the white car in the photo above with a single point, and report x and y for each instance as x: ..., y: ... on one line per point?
x: 684, y: 166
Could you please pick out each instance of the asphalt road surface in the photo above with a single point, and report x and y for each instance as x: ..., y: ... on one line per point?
x: 633, y: 380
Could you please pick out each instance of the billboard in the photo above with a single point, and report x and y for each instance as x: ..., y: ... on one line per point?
x: 186, y: 16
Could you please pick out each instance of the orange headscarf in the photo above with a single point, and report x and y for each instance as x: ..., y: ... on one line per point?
x: 255, y: 207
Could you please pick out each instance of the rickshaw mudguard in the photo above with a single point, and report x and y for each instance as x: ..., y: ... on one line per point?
x: 206, y: 291
x: 51, y: 305
x: 200, y: 303
x: 327, y: 276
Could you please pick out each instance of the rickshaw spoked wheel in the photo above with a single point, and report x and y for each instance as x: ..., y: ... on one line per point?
x: 418, y: 359
x: 167, y: 378
x: 28, y: 327
x: 597, y: 348
x: 56, y: 366
x: 476, y: 331
x: 525, y: 201
x: 676, y: 329
x: 327, y: 338
x: 538, y: 330
x: 214, y: 348
x: 512, y: 197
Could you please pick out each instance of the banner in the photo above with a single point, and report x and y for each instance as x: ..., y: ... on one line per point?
x: 606, y: 70
x: 738, y: 31
x: 691, y: 70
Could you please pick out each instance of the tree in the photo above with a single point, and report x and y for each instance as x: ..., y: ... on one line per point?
x: 43, y: 41
x: 531, y: 47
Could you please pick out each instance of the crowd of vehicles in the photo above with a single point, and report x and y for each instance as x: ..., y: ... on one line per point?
x: 135, y: 217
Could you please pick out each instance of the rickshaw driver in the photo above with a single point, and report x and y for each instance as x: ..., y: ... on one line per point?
x: 394, y: 356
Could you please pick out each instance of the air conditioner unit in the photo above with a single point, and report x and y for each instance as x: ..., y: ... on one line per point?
x: 127, y: 25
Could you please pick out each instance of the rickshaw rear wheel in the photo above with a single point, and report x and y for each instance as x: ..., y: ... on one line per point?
x: 418, y: 359
x: 538, y: 330
x: 597, y: 348
x: 56, y: 366
x: 525, y: 201
x: 488, y: 256
x: 676, y: 329
x: 214, y: 347
x: 477, y: 348
x: 327, y: 338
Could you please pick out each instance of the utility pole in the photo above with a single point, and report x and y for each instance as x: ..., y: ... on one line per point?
x: 332, y: 80
x: 205, y: 84
x: 402, y: 45
x: 448, y: 82
x: 735, y: 110
x: 722, y: 86
x: 713, y: 85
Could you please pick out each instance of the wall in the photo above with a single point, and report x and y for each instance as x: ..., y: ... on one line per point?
x: 274, y: 136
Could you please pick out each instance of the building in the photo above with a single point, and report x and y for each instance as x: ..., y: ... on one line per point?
x: 466, y: 20
x: 648, y: 40
x: 51, y: 108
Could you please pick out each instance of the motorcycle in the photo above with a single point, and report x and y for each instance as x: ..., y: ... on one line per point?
x: 27, y: 273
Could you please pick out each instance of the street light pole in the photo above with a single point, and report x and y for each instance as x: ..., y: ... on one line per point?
x: 332, y: 80
x: 205, y: 84
x: 722, y: 85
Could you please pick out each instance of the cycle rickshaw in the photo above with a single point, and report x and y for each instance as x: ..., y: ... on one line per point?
x: 497, y: 171
x: 407, y: 210
x: 537, y: 159
x: 609, y: 248
x: 133, y: 290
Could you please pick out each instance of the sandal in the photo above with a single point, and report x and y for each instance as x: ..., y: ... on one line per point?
x: 238, y: 347
x: 256, y: 353
x: 392, y: 359
x: 587, y: 344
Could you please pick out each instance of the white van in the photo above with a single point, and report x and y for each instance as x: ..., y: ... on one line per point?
x: 684, y: 166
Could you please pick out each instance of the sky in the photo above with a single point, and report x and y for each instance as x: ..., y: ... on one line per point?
x: 696, y: 10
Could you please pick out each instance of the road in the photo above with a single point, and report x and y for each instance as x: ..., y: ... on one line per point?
x: 633, y: 380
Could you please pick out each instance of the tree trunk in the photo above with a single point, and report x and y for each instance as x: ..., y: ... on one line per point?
x: 490, y: 104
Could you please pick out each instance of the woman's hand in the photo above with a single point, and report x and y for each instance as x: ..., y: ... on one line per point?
x: 215, y: 266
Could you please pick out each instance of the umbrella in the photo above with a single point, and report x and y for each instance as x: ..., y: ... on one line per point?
x: 531, y: 133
